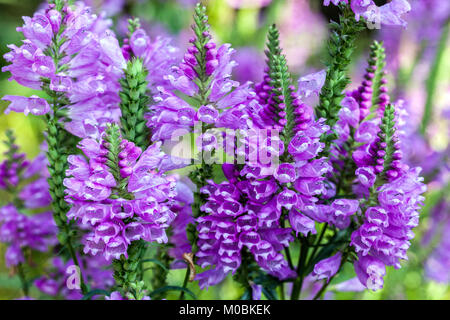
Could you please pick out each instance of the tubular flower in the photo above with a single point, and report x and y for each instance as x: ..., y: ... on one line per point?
x: 124, y: 204
x: 200, y: 92
x: 240, y: 215
x: 19, y: 231
x: 89, y: 67
x: 158, y: 55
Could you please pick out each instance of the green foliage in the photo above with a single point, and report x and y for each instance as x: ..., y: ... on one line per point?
x: 127, y: 271
x: 160, y: 272
x: 134, y: 104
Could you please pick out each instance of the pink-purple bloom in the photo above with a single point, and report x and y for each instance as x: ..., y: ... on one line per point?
x: 140, y: 211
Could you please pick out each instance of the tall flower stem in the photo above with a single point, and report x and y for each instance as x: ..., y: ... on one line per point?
x: 298, y: 283
x: 60, y: 142
x: 126, y: 270
x: 340, y: 47
x: 185, y: 281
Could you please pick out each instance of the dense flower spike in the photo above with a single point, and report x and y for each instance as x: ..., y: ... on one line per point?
x: 437, y: 264
x: 72, y: 55
x: 54, y: 283
x: 372, y: 94
x: 20, y: 232
x: 200, y: 92
x: 239, y: 219
x: 25, y: 223
x: 119, y: 193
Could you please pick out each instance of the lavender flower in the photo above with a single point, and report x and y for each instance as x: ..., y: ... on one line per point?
x: 19, y: 231
x: 122, y: 205
x: 233, y: 224
x: 157, y: 55
x: 200, y: 91
x: 54, y: 283
x: 89, y: 66
x: 327, y: 268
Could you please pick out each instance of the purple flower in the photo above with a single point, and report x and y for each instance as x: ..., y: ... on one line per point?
x: 115, y: 221
x: 88, y: 71
x: 311, y: 83
x: 223, y: 101
x: 34, y: 105
x: 327, y: 268
x: 158, y: 56
x: 370, y: 272
x: 235, y: 222
x: 365, y: 176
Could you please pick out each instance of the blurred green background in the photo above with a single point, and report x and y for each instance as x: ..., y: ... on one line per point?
x: 303, y: 27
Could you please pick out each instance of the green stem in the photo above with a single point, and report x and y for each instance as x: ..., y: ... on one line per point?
x: 23, y: 280
x: 185, y: 281
x: 282, y: 291
x: 317, y: 244
x: 298, y: 283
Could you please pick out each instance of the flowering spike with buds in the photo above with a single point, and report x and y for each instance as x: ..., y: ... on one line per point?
x: 340, y: 47
x: 134, y: 104
x: 389, y: 147
x: 282, y: 108
x: 372, y: 93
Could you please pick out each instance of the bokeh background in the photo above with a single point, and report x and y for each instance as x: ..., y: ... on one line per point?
x: 418, y: 64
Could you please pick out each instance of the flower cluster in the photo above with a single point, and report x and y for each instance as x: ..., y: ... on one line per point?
x: 200, y: 91
x: 19, y: 231
x: 385, y: 235
x: 16, y: 169
x: 72, y: 53
x: 119, y: 193
x: 237, y: 218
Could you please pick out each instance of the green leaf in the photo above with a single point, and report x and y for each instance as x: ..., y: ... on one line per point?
x: 159, y: 263
x: 94, y: 292
x: 173, y: 288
